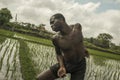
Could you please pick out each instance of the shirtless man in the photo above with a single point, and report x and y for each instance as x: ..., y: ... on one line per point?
x: 70, y: 51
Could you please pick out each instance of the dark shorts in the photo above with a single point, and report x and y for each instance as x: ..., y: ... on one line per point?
x: 77, y: 70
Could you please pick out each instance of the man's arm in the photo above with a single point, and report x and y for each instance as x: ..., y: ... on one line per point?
x: 59, y: 56
x: 62, y: 71
x: 58, y: 53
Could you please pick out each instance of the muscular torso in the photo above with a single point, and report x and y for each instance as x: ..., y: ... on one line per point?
x: 71, y: 45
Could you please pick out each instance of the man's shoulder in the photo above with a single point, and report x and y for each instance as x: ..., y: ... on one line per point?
x: 76, y: 26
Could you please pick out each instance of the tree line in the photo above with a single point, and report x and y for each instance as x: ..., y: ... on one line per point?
x: 103, y: 42
x: 22, y: 27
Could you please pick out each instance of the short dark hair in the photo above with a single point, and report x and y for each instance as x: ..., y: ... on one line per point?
x: 59, y: 15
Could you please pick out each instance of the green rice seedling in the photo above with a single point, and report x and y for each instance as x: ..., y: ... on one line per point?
x: 28, y: 72
x: 98, y: 67
x: 32, y: 58
x: 6, y: 33
x: 34, y: 39
x: 109, y: 70
x: 42, y: 56
x: 8, y: 58
x: 2, y: 39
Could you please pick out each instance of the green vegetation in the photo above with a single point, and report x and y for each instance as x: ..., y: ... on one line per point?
x: 5, y: 16
x: 35, y: 39
x: 104, y: 54
x: 27, y: 68
x: 92, y: 46
x: 42, y: 56
x: 103, y: 42
x: 22, y: 27
x: 6, y: 33
x: 15, y: 35
x: 9, y: 60
x: 2, y: 39
x: 98, y: 67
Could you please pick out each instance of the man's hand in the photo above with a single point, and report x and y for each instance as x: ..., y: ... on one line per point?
x: 62, y: 72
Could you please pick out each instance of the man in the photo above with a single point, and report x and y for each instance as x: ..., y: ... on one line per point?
x: 70, y: 51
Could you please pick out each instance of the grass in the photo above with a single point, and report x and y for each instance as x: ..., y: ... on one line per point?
x: 104, y: 54
x: 6, y: 32
x: 2, y: 39
x: 10, y: 34
x: 27, y: 68
x: 35, y: 39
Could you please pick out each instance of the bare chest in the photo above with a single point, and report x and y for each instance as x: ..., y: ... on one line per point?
x: 69, y: 41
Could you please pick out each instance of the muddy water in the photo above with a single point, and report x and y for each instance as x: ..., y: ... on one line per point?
x: 98, y: 68
x: 9, y: 60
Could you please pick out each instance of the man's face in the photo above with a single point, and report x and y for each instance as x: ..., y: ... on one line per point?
x: 55, y: 24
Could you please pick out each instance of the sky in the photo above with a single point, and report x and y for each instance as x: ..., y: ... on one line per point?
x: 95, y: 16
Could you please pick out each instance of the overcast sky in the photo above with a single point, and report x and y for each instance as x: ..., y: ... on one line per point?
x: 95, y: 16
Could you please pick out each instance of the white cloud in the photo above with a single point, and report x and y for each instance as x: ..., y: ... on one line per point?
x: 93, y: 23
x: 91, y: 6
x: 106, y: 22
x: 117, y: 1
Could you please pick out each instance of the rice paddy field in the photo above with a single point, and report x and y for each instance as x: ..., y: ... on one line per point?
x: 98, y: 68
x: 22, y: 60
x: 10, y: 68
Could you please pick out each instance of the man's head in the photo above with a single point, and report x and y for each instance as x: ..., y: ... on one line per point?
x: 56, y: 22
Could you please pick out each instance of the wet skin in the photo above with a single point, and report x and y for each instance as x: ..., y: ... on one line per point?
x: 68, y: 42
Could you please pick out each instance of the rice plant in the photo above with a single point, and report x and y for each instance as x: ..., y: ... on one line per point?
x: 9, y: 60
x: 98, y: 68
x: 40, y: 57
x: 27, y: 68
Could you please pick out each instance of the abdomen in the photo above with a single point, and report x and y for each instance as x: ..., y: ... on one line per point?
x: 72, y: 57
